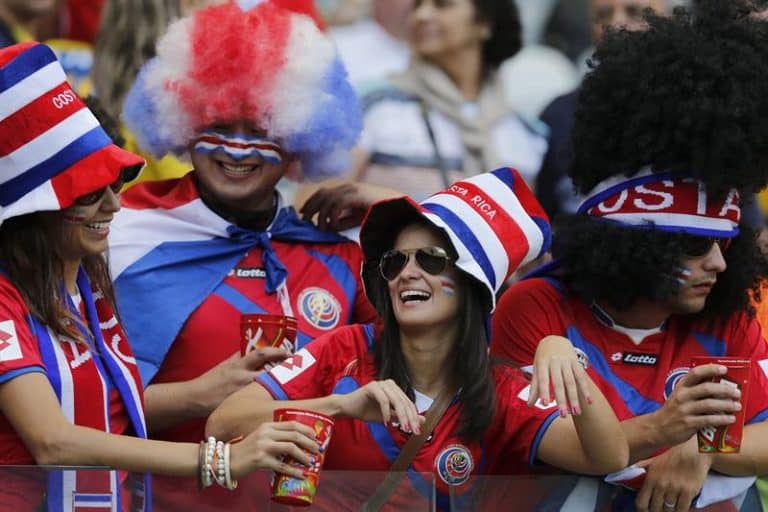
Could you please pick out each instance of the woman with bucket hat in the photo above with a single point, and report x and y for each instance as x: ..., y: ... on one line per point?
x: 432, y: 272
x: 70, y: 392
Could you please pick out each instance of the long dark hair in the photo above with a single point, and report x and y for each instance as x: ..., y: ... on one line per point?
x: 470, y: 367
x: 30, y: 257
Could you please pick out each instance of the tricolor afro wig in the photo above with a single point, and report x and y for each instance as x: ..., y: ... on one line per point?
x: 265, y: 62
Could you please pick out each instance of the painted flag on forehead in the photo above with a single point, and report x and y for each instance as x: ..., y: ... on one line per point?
x: 169, y: 251
x: 52, y: 148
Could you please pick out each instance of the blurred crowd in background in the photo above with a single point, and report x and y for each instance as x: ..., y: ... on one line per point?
x: 545, y: 48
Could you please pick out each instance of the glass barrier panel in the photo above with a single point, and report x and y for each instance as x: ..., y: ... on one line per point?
x: 573, y: 493
x: 24, y: 489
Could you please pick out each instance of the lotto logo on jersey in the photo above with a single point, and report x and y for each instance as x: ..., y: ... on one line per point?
x: 454, y: 464
x: 319, y: 308
x: 638, y: 358
x: 250, y: 273
x: 10, y: 350
x: 292, y: 367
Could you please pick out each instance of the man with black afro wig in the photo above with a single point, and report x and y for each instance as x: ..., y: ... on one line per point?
x: 655, y: 268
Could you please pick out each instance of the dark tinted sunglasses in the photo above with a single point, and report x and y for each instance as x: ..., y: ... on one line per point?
x: 697, y: 246
x: 433, y: 260
x: 126, y: 175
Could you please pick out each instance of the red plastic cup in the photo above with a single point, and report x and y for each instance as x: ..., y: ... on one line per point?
x: 726, y: 439
x: 267, y: 331
x: 288, y: 490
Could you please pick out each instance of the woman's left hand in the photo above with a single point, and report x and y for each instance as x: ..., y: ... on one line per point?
x: 556, y: 363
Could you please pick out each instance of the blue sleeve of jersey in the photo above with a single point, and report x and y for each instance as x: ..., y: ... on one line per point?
x: 539, y: 435
x: 7, y: 376
x: 271, y: 385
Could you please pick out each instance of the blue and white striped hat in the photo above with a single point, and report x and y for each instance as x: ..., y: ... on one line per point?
x: 493, y: 221
x: 52, y: 148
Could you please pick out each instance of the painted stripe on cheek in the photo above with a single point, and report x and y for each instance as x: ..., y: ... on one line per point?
x: 682, y: 274
x: 448, y: 285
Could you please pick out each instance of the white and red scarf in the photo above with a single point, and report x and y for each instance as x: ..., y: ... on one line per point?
x: 92, y: 490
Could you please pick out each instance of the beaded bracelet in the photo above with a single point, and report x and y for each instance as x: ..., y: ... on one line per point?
x: 214, y: 461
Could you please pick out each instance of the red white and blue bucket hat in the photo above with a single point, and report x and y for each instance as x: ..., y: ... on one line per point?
x: 52, y: 148
x: 493, y: 221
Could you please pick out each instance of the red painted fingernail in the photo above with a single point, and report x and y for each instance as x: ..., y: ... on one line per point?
x: 576, y: 410
x: 589, y: 400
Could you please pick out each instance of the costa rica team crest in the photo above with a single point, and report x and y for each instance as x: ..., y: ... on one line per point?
x: 319, y: 308
x: 454, y: 464
x: 673, y: 379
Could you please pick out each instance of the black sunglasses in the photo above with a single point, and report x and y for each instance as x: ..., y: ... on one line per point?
x: 433, y: 260
x: 697, y: 246
x: 126, y: 175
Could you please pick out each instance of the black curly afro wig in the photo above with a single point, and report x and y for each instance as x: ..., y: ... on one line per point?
x: 604, y: 261
x: 690, y: 94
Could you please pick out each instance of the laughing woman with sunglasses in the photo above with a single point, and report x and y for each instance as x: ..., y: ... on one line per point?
x: 70, y: 392
x: 432, y: 272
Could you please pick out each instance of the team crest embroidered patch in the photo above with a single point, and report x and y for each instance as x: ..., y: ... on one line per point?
x: 319, y: 308
x: 454, y: 464
x: 673, y: 379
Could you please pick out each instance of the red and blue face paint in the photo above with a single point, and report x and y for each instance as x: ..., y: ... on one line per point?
x: 74, y: 215
x: 238, y: 146
x: 448, y: 285
x: 682, y: 274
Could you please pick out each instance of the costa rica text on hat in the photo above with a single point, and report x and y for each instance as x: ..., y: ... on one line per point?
x: 493, y: 221
x: 666, y: 201
x: 52, y: 148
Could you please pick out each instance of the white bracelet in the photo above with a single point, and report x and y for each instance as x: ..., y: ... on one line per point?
x: 229, y: 482
x: 207, y: 475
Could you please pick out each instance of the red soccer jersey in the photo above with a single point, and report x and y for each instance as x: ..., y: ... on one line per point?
x: 325, y: 293
x: 636, y: 378
x: 89, y: 395
x: 341, y: 362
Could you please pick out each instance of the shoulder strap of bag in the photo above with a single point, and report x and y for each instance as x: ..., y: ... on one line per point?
x: 408, y: 453
x: 441, y: 165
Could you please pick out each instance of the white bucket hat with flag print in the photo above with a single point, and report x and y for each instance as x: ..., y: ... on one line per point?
x: 493, y: 221
x: 52, y: 148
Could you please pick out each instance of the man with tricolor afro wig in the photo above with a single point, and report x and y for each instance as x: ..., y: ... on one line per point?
x: 248, y: 60
x: 657, y: 267
x: 248, y: 90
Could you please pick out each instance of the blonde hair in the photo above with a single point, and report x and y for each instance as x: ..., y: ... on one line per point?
x: 127, y: 36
